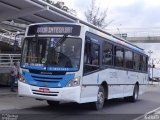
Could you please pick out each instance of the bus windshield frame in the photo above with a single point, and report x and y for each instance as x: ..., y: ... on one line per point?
x: 52, y: 52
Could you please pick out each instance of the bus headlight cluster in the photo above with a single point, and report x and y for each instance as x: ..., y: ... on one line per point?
x: 21, y: 78
x: 74, y: 82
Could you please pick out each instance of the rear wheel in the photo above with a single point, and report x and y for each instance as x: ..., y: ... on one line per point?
x: 100, y: 99
x: 53, y: 103
x: 135, y: 95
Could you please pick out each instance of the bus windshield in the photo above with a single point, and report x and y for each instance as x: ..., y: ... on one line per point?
x: 52, y: 52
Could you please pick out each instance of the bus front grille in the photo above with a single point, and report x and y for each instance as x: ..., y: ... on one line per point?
x: 45, y: 94
x: 44, y: 80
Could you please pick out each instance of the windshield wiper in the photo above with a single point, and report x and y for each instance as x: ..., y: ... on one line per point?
x: 54, y: 46
x: 60, y: 41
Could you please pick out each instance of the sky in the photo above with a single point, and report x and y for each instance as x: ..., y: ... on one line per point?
x: 126, y: 14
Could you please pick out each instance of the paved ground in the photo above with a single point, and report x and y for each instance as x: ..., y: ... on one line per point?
x: 29, y: 108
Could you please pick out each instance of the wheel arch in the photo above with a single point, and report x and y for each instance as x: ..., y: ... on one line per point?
x: 137, y: 83
x: 104, y: 84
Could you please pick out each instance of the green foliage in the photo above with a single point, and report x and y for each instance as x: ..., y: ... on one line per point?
x: 61, y: 6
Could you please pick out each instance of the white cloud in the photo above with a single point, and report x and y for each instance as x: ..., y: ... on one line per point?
x: 115, y: 3
x: 152, y: 3
x: 128, y: 13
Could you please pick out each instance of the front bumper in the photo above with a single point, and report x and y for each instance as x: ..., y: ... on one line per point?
x: 68, y: 94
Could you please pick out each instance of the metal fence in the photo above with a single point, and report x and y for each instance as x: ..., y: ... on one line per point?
x: 10, y: 39
x: 6, y: 60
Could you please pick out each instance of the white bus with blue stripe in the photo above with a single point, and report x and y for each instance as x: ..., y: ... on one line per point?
x: 73, y: 62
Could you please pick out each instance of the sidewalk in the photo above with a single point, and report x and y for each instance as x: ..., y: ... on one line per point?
x: 6, y: 91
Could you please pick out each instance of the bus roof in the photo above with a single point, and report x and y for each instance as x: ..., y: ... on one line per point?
x: 98, y: 31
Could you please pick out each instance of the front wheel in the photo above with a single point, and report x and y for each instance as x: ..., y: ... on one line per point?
x: 100, y: 99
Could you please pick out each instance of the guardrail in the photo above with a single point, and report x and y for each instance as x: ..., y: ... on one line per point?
x: 6, y: 60
x: 136, y: 32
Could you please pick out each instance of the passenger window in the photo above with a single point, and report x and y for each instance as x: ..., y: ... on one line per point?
x: 119, y: 56
x: 128, y: 59
x: 91, y: 57
x: 137, y: 65
x: 107, y: 54
x: 144, y: 64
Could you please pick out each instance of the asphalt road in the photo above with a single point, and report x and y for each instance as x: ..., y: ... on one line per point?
x: 24, y: 108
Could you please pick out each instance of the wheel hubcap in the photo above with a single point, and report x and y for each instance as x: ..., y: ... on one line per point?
x: 100, y: 98
x: 136, y: 94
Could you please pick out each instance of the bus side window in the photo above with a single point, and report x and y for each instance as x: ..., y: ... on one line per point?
x: 91, y: 57
x: 144, y: 64
x: 107, y: 54
x: 128, y: 59
x: 119, y: 56
x: 137, y: 61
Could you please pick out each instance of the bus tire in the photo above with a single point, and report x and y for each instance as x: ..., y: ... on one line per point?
x: 53, y: 103
x: 135, y: 95
x: 98, y: 105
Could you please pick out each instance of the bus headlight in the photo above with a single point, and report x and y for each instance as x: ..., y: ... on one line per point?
x: 74, y: 82
x: 21, y: 78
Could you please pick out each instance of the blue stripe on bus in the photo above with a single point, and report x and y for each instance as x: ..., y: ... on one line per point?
x: 125, y: 44
x: 47, y: 76
x: 34, y: 67
x: 51, y: 81
x: 49, y: 68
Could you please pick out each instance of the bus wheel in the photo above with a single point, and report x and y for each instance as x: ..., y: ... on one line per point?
x: 98, y: 105
x: 53, y: 103
x: 134, y: 98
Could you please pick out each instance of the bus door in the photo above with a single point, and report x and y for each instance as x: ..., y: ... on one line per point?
x: 91, y: 70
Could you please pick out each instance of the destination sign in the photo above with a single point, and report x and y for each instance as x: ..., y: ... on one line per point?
x: 54, y: 29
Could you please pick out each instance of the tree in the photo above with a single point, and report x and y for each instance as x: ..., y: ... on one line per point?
x: 96, y: 16
x: 61, y: 6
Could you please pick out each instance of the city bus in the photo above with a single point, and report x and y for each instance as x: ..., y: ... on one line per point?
x: 73, y: 62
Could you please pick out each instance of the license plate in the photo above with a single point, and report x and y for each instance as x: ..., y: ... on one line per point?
x: 45, y: 90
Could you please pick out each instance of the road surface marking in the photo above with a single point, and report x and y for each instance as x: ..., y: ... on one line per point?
x: 148, y: 113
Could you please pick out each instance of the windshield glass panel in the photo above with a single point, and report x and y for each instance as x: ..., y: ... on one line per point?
x: 52, y: 52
